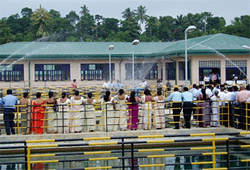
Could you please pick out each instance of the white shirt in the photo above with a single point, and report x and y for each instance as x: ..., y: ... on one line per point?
x: 143, y: 84
x: 105, y: 85
x: 209, y: 92
x: 206, y: 79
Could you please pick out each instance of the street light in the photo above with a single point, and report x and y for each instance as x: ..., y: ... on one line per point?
x: 135, y: 42
x: 111, y: 47
x: 246, y: 47
x: 188, y: 30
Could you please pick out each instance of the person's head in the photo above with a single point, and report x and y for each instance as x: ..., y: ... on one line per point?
x: 230, y: 89
x: 194, y: 86
x: 185, y: 89
x: 147, y: 92
x: 64, y: 94
x: 176, y: 89
x: 38, y: 95
x: 143, y: 80
x: 201, y: 86
x: 76, y: 93
x: 216, y: 92
x: 222, y: 89
x: 74, y: 80
x: 106, y: 96
x: 51, y: 94
x: 121, y: 92
x: 235, y: 88
x: 209, y: 86
x: 90, y: 95
x: 248, y: 87
x: 132, y: 96
x: 242, y: 87
x: 159, y: 92
x: 106, y: 81
x: 25, y: 95
x: 9, y: 91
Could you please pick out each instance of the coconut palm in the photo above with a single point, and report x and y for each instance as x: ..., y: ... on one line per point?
x: 84, y: 10
x: 41, y: 18
x: 128, y: 14
x: 141, y: 14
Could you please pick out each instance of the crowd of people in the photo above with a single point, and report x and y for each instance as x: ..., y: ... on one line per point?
x: 128, y: 112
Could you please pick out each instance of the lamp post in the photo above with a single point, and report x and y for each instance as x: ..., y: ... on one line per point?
x: 188, y: 30
x: 111, y: 47
x: 135, y: 42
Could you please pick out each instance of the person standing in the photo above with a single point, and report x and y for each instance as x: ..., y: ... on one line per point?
x: 159, y: 111
x: 204, y: 112
x: 77, y: 106
x: 122, y: 107
x: 206, y: 79
x: 8, y: 102
x: 90, y: 113
x: 26, y: 114
x: 215, y: 117
x: 187, y: 99
x: 63, y: 114
x: 147, y: 109
x: 37, y: 114
x: 51, y: 114
x: 235, y: 106
x: 242, y: 97
x: 176, y: 97
x: 74, y: 84
x: 133, y: 111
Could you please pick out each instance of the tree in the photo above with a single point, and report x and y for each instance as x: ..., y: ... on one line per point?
x: 54, y: 14
x: 41, y: 18
x: 84, y: 10
x: 141, y: 14
x: 72, y: 17
x: 86, y: 26
x: 152, y: 27
x: 6, y: 35
x: 26, y: 12
x: 128, y: 14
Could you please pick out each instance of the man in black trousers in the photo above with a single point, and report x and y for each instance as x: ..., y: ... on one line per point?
x: 176, y: 97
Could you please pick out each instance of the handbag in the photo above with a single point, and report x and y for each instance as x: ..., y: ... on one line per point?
x: 55, y: 106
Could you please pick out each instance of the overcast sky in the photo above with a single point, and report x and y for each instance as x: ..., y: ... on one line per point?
x: 229, y: 9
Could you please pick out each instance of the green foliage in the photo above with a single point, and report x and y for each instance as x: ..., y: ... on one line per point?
x: 40, y: 23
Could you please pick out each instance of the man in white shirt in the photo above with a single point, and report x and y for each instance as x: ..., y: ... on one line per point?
x: 143, y: 83
x: 209, y: 90
x: 105, y: 84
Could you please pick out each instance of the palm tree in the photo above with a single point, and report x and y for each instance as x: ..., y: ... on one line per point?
x: 41, y: 18
x: 84, y: 10
x: 141, y: 14
x: 128, y: 14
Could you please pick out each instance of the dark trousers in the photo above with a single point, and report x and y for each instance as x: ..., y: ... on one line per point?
x: 187, y: 110
x: 176, y: 112
x: 8, y: 120
x: 242, y: 118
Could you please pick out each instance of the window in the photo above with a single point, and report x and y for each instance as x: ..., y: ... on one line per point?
x: 11, y: 72
x: 97, y: 71
x: 170, y: 71
x: 182, y: 70
x: 52, y: 72
x: 142, y: 70
x: 236, y: 68
x: 208, y: 67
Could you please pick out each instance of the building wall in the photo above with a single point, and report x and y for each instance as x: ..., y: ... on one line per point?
x: 75, y: 70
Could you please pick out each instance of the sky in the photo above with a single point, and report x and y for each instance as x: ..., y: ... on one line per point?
x: 229, y: 9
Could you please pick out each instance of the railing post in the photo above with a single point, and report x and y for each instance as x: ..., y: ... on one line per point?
x: 106, y: 117
x: 228, y: 156
x: 228, y: 114
x: 123, y: 154
x: 246, y: 116
x: 149, y: 116
x: 62, y: 118
x: 17, y: 116
x: 132, y: 156
x: 25, y: 154
x: 28, y: 159
x: 214, y: 150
